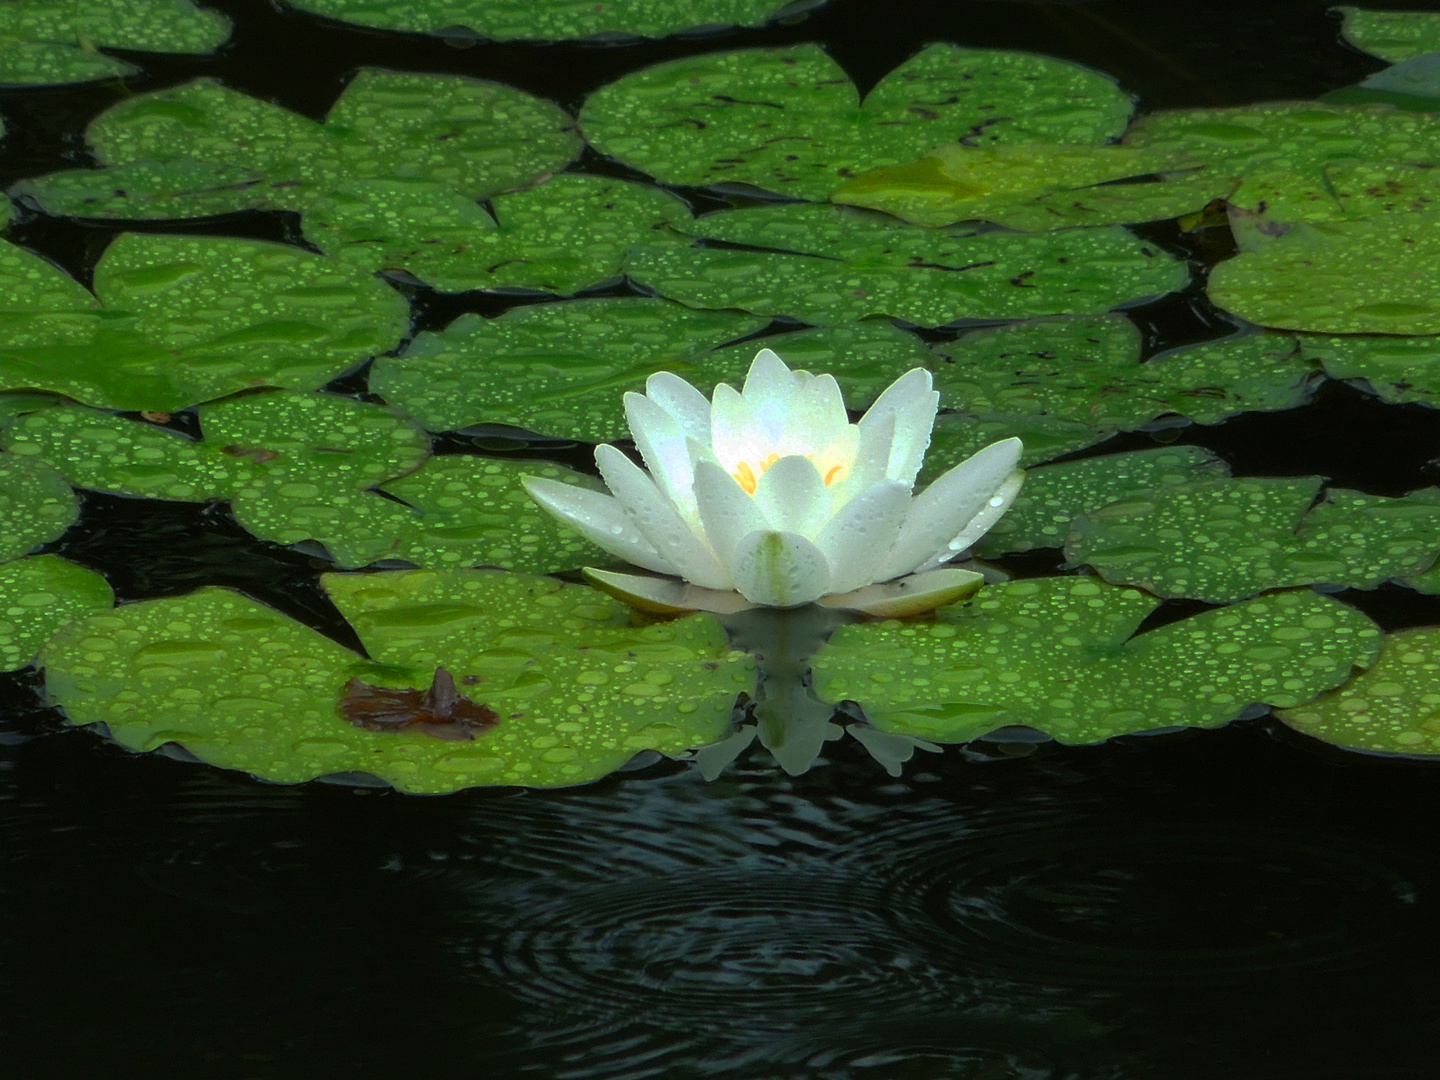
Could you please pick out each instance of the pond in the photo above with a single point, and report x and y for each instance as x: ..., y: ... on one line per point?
x: 1141, y: 869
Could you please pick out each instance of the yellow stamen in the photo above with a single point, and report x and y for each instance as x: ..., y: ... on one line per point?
x: 834, y: 471
x: 746, y: 477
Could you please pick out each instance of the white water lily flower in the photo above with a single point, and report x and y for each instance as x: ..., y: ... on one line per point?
x: 771, y: 497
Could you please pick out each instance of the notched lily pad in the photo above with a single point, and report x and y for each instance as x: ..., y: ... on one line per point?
x: 789, y: 120
x: 828, y: 264
x: 39, y: 595
x: 36, y: 505
x: 1057, y: 654
x: 1395, y: 369
x: 1220, y: 540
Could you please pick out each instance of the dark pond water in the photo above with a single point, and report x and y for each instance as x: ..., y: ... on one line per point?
x: 1240, y: 903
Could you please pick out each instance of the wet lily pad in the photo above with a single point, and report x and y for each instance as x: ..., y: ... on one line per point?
x: 1392, y: 708
x: 1391, y: 35
x: 789, y: 120
x: 1057, y: 654
x: 184, y: 319
x: 1377, y: 275
x: 473, y: 137
x: 560, y: 236
x: 561, y: 369
x: 521, y: 20
x: 36, y: 505
x: 1054, y: 495
x: 828, y: 264
x: 39, y: 595
x: 43, y: 43
x: 958, y: 435
x: 1395, y: 369
x: 1220, y: 540
x: 1036, y: 187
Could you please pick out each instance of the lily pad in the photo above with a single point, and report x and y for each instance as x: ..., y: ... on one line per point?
x: 43, y: 43
x: 36, y: 505
x: 1391, y: 35
x: 473, y: 137
x: 956, y: 436
x: 1054, y: 495
x: 560, y: 236
x: 1058, y: 655
x: 561, y: 369
x: 789, y: 120
x: 1220, y: 540
x: 38, y: 596
x: 185, y: 319
x: 1377, y: 275
x: 1395, y: 369
x: 578, y: 692
x: 1036, y: 187
x: 555, y: 20
x: 828, y: 264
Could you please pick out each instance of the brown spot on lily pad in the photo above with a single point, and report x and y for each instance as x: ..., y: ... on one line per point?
x: 441, y: 712
x: 257, y: 454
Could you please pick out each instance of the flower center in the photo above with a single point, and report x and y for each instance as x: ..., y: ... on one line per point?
x: 749, y: 476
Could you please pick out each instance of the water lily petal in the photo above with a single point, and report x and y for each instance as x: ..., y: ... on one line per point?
x: 871, y: 463
x: 665, y: 595
x: 600, y: 519
x: 817, y: 413
x: 659, y: 521
x: 912, y: 595
x: 942, y: 510
x: 793, y: 497
x: 770, y: 390
x: 858, y: 538
x: 981, y: 523
x: 727, y: 512
x: 914, y: 402
x: 735, y: 432
x: 780, y: 569
x: 689, y: 407
x: 661, y: 440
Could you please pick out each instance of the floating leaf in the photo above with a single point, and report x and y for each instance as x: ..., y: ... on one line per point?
x: 1391, y: 35
x: 186, y: 319
x: 567, y: 233
x: 36, y: 505
x: 828, y: 264
x: 473, y: 137
x: 49, y: 43
x: 1053, y: 495
x: 1392, y: 708
x: 1221, y: 540
x: 511, y: 20
x: 1036, y: 186
x: 1377, y: 275
x: 1057, y: 654
x: 561, y: 369
x: 38, y: 596
x: 1396, y: 369
x: 957, y: 436
x: 577, y: 691
x: 790, y: 120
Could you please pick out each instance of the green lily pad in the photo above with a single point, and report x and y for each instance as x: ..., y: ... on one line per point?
x: 561, y: 369
x: 578, y: 692
x: 1392, y: 708
x: 956, y: 436
x: 1036, y: 187
x: 36, y: 505
x: 1054, y: 495
x: 789, y: 120
x: 472, y: 137
x: 560, y: 236
x: 1057, y: 654
x: 828, y: 264
x: 1220, y: 540
x: 1391, y: 35
x: 1378, y: 275
x: 186, y: 319
x: 43, y: 43
x: 555, y: 20
x: 1395, y: 369
x: 38, y: 596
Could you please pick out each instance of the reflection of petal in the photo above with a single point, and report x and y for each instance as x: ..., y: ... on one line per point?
x: 942, y: 510
x: 858, y: 538
x: 981, y: 523
x: 656, y: 517
x: 792, y: 496
x: 600, y: 519
x: 665, y: 596
x: 913, y: 595
x: 913, y: 402
x: 779, y: 569
x: 727, y: 513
